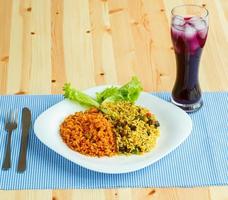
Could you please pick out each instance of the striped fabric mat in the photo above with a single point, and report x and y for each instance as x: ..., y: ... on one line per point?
x: 202, y: 160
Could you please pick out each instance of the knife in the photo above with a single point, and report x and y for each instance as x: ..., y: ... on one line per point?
x: 26, y: 120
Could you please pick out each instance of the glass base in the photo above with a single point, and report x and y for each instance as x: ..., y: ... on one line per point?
x: 189, y: 107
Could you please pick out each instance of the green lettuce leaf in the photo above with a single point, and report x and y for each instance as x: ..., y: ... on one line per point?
x: 112, y: 91
x: 131, y: 90
x: 79, y: 97
x: 128, y: 92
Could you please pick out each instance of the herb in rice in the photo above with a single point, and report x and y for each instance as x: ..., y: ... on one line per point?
x: 135, y: 127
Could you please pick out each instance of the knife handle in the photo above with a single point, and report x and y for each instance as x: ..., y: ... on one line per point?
x: 26, y: 118
x: 22, y: 158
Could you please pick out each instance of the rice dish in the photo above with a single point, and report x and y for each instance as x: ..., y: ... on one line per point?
x: 115, y: 128
x: 136, y: 129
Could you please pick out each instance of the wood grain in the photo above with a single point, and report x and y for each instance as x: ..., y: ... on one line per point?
x: 57, y: 49
x: 45, y: 43
x: 5, y: 18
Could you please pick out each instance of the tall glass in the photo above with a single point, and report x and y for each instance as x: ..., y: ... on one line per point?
x: 189, y: 30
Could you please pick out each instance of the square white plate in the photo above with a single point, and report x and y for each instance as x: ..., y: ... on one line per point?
x: 175, y: 127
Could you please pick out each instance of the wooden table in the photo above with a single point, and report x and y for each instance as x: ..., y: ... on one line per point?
x: 45, y: 43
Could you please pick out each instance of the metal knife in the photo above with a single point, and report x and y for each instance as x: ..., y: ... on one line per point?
x: 26, y: 121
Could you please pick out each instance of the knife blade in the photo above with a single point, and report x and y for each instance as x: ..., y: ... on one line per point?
x: 26, y: 121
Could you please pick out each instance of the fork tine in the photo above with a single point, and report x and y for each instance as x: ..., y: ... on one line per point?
x: 7, y: 119
x: 13, y: 116
x: 16, y: 116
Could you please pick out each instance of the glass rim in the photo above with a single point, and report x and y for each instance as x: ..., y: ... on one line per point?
x: 204, y: 14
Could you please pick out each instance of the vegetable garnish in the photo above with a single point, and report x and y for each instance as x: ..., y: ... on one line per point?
x: 128, y: 92
x: 79, y: 97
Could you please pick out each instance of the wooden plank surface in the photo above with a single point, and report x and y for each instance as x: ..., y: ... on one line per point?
x: 45, y: 43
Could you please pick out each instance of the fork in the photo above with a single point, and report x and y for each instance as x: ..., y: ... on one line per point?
x: 10, y: 125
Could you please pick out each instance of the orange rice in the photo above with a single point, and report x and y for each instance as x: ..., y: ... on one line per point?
x: 89, y: 133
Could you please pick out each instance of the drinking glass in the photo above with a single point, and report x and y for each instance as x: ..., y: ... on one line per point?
x: 189, y: 30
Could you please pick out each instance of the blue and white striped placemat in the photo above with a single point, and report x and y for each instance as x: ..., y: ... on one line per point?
x: 202, y: 160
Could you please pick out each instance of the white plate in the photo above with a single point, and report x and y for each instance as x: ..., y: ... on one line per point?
x: 175, y: 127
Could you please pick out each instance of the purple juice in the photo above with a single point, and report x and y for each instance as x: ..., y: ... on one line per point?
x: 189, y: 35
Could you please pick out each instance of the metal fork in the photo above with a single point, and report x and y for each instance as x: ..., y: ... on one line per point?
x: 10, y: 125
